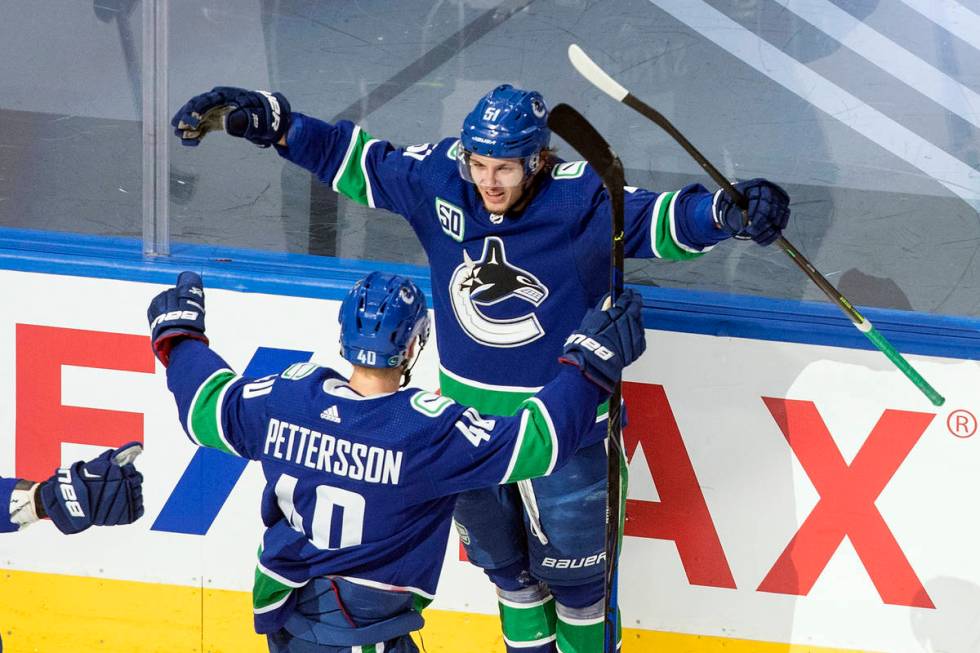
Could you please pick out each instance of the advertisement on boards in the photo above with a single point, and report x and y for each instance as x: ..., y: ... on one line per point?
x: 779, y: 492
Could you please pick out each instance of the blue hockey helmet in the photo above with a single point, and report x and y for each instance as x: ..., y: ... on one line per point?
x: 506, y: 123
x: 379, y: 318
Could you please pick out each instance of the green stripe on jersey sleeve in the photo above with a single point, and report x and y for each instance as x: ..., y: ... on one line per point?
x: 489, y: 401
x: 485, y: 400
x: 536, y: 449
x: 204, y: 418
x: 352, y: 180
x: 663, y: 232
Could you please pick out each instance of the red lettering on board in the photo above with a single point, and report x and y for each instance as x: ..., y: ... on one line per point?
x: 847, y: 502
x: 43, y: 423
x: 681, y: 515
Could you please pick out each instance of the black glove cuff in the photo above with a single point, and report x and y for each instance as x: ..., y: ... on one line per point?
x: 38, y: 504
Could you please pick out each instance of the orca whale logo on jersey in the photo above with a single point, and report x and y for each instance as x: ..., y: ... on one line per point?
x: 492, y: 280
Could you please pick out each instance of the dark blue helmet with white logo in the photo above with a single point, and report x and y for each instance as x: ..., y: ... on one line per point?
x: 506, y: 123
x: 379, y: 318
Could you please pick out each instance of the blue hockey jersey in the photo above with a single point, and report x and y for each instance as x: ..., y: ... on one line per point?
x: 363, y: 488
x: 6, y: 491
x: 507, y: 290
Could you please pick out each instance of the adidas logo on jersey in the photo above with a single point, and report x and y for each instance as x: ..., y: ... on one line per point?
x: 331, y: 414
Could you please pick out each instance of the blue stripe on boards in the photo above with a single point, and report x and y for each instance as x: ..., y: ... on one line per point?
x: 211, y: 475
x: 302, y: 275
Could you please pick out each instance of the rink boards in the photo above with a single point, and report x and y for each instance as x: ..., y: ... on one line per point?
x: 782, y: 491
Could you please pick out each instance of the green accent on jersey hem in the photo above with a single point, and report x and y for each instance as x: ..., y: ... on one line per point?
x: 487, y: 402
x: 602, y: 411
x: 267, y: 591
x: 205, y: 414
x: 528, y: 624
x: 420, y: 602
x: 353, y: 182
x: 537, y: 444
x: 664, y: 245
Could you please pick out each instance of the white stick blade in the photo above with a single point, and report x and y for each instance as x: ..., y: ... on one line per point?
x: 592, y: 72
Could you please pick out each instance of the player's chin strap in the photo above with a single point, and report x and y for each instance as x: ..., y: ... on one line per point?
x: 408, y: 365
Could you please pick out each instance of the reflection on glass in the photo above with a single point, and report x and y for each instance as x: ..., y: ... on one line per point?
x: 69, y: 116
x: 882, y: 168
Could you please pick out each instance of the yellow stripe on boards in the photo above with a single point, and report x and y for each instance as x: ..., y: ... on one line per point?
x: 67, y: 614
x: 48, y: 613
x: 647, y: 640
x: 453, y: 632
x: 227, y: 618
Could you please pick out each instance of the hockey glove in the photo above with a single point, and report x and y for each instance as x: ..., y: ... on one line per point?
x: 768, y: 211
x: 105, y: 491
x: 177, y: 313
x: 607, y: 341
x: 258, y: 116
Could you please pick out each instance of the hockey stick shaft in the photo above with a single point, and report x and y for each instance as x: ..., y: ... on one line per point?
x: 604, y: 82
x: 576, y: 130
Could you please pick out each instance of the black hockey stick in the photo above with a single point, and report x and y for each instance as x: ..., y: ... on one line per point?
x: 604, y: 82
x: 577, y: 132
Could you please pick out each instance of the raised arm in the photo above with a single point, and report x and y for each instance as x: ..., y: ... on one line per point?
x: 684, y: 224
x: 369, y: 171
x: 217, y: 408
x: 471, y: 450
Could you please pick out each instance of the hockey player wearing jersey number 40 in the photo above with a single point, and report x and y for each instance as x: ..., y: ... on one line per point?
x: 518, y: 246
x: 361, y: 477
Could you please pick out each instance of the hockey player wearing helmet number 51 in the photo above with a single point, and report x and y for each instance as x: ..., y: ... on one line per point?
x: 361, y: 477
x: 518, y: 247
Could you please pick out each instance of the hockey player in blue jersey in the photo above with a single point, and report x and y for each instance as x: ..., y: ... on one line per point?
x: 518, y: 247
x: 361, y: 477
x: 104, y: 491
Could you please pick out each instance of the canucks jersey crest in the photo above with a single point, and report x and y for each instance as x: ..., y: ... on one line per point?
x: 492, y: 280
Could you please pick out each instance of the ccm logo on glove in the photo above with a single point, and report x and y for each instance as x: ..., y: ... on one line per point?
x: 590, y: 344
